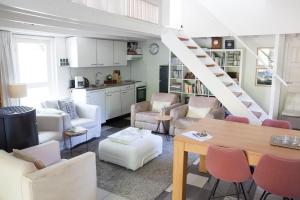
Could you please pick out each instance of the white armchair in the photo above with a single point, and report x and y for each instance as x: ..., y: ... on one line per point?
x: 89, y: 118
x: 73, y: 179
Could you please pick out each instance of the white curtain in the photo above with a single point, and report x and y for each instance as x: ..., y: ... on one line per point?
x: 6, y: 65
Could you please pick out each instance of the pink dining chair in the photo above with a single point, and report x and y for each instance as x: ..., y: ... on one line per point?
x: 227, y: 164
x: 239, y: 119
x: 277, y: 123
x: 279, y: 176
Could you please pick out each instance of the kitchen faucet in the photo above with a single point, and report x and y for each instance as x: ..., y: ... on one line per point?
x: 97, y: 81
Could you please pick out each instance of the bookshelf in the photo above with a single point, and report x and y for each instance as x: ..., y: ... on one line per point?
x: 184, y: 83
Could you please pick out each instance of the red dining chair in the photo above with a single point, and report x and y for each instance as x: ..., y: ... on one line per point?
x: 279, y: 176
x: 277, y: 123
x: 227, y: 164
x: 234, y: 118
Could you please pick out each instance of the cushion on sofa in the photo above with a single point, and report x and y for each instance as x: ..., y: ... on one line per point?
x: 157, y: 106
x: 84, y: 122
x: 196, y: 112
x: 68, y: 107
x: 146, y: 117
x: 184, y: 123
x: 27, y: 157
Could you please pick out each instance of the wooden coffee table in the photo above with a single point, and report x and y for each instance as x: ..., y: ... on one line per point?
x: 161, y: 119
x: 74, y: 132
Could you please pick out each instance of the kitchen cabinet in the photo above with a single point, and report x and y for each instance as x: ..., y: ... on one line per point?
x: 127, y: 98
x: 104, y: 53
x: 81, y: 52
x: 113, y: 102
x: 120, y: 53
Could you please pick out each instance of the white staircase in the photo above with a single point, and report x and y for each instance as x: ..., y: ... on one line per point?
x: 226, y: 90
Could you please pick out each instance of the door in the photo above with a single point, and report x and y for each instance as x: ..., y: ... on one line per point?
x: 127, y: 97
x: 164, y: 79
x: 113, y: 105
x: 105, y: 53
x: 120, y: 53
x: 97, y: 98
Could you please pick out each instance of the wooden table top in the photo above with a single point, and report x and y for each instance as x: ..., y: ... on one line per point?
x: 251, y: 138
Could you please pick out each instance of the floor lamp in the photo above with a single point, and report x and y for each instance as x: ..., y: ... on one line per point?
x: 17, y: 91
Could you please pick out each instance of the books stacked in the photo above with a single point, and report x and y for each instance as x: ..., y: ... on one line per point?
x: 189, y: 88
x: 175, y: 87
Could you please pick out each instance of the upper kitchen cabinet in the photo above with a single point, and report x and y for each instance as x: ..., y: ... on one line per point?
x: 82, y: 52
x: 105, y: 53
x: 120, y: 53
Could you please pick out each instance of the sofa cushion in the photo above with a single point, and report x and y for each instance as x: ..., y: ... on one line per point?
x: 45, y: 136
x: 84, y: 122
x: 68, y: 107
x: 157, y: 106
x: 196, y: 112
x: 148, y: 117
x: 185, y: 122
x: 27, y: 157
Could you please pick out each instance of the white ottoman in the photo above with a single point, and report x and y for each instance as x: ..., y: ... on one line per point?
x: 134, y: 154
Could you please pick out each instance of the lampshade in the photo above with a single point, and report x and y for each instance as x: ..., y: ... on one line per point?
x: 17, y: 90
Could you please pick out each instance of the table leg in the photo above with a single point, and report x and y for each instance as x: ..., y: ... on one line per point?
x: 86, y: 141
x: 165, y: 130
x: 158, y: 126
x: 202, y: 166
x: 70, y: 138
x: 179, y: 171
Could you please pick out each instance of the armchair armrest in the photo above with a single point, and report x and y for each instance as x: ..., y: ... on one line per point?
x: 89, y: 111
x: 179, y: 112
x: 217, y: 113
x: 74, y: 179
x: 48, y: 153
x: 167, y: 110
x: 138, y: 107
x: 49, y: 122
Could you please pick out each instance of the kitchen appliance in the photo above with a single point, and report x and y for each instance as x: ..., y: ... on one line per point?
x: 140, y: 91
x: 81, y: 82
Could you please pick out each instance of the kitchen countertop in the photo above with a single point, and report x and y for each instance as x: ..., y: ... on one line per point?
x: 122, y: 83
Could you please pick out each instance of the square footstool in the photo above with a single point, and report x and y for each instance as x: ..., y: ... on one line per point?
x: 130, y: 148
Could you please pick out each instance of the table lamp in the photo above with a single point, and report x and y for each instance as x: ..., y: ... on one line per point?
x: 17, y: 91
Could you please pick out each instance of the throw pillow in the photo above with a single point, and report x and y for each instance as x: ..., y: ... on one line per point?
x: 195, y: 112
x: 27, y: 157
x: 157, y: 106
x: 68, y: 107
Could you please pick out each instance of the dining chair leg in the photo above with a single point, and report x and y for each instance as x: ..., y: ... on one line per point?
x: 209, y: 178
x: 263, y: 194
x: 267, y: 194
x: 249, y: 190
x: 241, y: 184
x: 213, y: 191
x: 237, y: 190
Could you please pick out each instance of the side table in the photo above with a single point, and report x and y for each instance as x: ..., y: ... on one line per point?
x: 161, y: 119
x: 74, y: 132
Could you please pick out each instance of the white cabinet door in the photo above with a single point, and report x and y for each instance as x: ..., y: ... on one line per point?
x: 82, y: 52
x: 97, y: 97
x: 120, y: 53
x: 105, y: 53
x: 127, y: 97
x: 113, y: 105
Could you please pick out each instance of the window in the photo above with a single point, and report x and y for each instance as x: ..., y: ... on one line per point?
x: 33, y: 67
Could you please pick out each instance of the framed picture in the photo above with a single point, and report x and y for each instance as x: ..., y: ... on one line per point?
x: 216, y: 43
x: 263, y: 77
x: 267, y: 55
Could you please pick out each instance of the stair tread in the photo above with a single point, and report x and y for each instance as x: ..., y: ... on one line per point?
x: 183, y: 38
x: 201, y: 56
x: 237, y: 94
x: 257, y: 114
x: 219, y: 74
x: 210, y: 65
x: 247, y: 103
x: 227, y: 84
x: 191, y: 47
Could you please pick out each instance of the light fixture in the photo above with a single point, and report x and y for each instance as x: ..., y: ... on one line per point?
x: 17, y: 91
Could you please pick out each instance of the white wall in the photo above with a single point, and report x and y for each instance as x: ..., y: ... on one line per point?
x: 147, y: 69
x: 261, y: 94
x: 247, y: 17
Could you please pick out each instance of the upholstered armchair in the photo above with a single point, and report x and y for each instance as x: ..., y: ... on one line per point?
x: 143, y: 113
x: 198, y: 107
x: 73, y: 179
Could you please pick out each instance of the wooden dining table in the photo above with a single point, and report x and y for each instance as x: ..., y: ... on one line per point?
x: 253, y: 139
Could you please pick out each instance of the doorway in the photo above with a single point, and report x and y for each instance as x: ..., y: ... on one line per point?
x: 164, y: 78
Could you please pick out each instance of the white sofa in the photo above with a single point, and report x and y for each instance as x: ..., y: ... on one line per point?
x: 89, y: 118
x: 73, y: 179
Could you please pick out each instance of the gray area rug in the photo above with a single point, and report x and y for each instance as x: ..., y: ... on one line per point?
x: 145, y: 183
